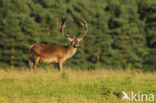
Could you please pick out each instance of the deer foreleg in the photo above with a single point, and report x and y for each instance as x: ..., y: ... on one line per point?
x: 60, y: 65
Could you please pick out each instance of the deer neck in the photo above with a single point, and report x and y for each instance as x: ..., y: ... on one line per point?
x: 71, y: 51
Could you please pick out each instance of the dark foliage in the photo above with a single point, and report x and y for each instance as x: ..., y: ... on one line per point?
x: 121, y: 32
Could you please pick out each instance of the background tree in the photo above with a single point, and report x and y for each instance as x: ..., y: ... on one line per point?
x: 147, y: 10
x: 121, y: 33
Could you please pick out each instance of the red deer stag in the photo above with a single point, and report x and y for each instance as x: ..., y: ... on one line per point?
x: 57, y: 53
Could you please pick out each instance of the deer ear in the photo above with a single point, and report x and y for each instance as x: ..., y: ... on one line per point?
x: 70, y: 39
x: 79, y: 39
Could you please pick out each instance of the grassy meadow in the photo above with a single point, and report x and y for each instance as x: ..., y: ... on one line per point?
x: 73, y: 86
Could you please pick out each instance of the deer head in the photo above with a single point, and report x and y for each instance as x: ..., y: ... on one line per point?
x: 74, y: 41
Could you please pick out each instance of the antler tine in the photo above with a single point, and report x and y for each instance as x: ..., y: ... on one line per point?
x: 62, y: 28
x: 82, y: 24
x: 86, y: 24
x: 59, y: 26
x: 85, y: 28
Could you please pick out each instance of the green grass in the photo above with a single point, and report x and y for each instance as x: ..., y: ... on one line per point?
x: 73, y: 86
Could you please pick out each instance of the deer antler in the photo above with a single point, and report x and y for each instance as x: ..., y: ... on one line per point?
x: 59, y: 26
x: 61, y: 29
x: 85, y: 29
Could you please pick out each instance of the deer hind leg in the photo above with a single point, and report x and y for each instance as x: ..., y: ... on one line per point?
x: 36, y: 60
x: 31, y: 64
